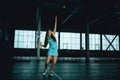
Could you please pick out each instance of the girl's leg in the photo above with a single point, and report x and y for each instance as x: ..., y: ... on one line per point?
x: 47, y: 61
x: 46, y: 64
x: 53, y: 63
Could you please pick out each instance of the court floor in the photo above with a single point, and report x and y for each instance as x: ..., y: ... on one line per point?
x: 65, y: 70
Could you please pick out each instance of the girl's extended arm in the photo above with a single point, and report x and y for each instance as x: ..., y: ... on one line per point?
x: 55, y: 26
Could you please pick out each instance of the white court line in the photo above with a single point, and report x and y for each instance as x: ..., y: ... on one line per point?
x: 57, y: 76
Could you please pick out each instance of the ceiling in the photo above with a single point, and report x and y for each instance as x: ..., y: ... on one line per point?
x: 73, y: 15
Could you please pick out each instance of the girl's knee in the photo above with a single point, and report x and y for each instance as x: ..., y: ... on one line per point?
x: 47, y: 62
x: 54, y: 63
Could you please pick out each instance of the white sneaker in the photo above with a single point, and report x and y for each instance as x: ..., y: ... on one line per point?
x: 45, y: 72
x: 51, y: 73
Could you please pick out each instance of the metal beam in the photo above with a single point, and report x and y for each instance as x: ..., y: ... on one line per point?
x: 101, y: 42
x: 38, y: 20
x: 68, y: 17
x: 98, y: 18
x: 87, y: 41
x: 81, y: 41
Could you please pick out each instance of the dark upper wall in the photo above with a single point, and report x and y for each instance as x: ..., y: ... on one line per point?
x: 21, y: 14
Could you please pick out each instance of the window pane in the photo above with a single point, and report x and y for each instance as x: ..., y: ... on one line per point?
x: 21, y: 32
x: 94, y: 41
x: 24, y: 39
x: 69, y: 40
x: 115, y: 43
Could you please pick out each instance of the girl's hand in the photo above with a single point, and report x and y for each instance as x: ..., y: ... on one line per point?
x: 40, y: 43
x: 56, y: 19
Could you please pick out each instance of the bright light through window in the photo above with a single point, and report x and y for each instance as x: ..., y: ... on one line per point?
x: 24, y: 39
x: 106, y: 43
x: 94, y: 41
x: 70, y: 41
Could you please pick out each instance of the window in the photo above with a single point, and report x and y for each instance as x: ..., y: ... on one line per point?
x: 70, y: 41
x: 24, y: 39
x: 94, y: 40
x: 110, y: 38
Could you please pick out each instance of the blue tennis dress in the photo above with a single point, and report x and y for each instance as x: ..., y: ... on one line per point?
x: 52, y: 51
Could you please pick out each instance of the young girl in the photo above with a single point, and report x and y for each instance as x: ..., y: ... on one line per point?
x: 52, y: 51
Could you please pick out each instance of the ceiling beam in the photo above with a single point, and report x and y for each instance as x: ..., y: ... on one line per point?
x: 68, y: 17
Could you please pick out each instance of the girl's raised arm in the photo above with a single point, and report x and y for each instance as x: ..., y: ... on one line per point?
x: 55, y: 26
